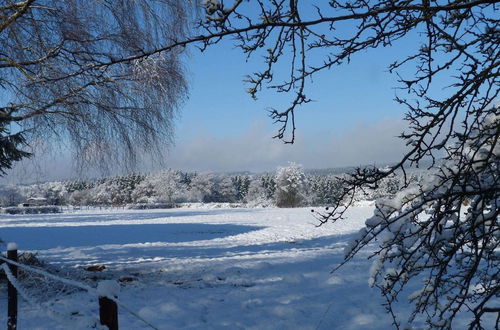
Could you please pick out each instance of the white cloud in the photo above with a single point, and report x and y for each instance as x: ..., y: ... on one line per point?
x: 255, y: 150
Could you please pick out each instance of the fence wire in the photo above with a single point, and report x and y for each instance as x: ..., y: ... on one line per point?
x: 42, y: 285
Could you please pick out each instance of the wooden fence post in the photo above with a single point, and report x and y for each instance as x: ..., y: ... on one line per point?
x: 11, y: 290
x: 108, y: 313
x: 108, y: 309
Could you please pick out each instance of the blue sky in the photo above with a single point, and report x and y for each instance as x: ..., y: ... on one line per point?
x: 353, y: 120
x: 359, y: 91
x: 354, y: 98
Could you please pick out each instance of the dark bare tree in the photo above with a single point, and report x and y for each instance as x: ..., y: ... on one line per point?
x: 445, y: 231
x: 85, y: 72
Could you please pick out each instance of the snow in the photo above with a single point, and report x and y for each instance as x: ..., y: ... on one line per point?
x: 201, y: 269
x: 211, y: 6
x: 11, y: 246
x: 108, y: 288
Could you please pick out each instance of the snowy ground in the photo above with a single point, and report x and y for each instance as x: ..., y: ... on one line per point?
x: 201, y: 269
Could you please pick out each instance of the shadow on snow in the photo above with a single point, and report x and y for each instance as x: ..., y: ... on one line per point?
x: 98, y: 216
x: 43, y: 238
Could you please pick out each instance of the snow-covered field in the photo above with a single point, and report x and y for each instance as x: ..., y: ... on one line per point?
x: 200, y: 269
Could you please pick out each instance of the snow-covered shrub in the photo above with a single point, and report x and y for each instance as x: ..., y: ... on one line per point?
x: 290, y: 186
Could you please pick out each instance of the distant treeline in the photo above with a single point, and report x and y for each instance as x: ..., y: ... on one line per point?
x: 290, y: 186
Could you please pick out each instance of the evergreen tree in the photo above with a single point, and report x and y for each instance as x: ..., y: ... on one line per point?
x: 10, y: 146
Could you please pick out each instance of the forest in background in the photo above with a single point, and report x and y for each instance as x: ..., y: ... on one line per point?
x: 289, y: 186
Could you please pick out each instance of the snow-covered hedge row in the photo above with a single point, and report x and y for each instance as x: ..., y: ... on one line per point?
x: 31, y: 209
x: 150, y: 206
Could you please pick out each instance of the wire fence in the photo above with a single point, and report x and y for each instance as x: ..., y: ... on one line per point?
x: 105, y: 292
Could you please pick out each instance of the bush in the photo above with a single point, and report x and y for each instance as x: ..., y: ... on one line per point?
x: 32, y: 209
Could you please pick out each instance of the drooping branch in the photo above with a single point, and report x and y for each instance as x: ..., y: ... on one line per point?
x: 62, y: 76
